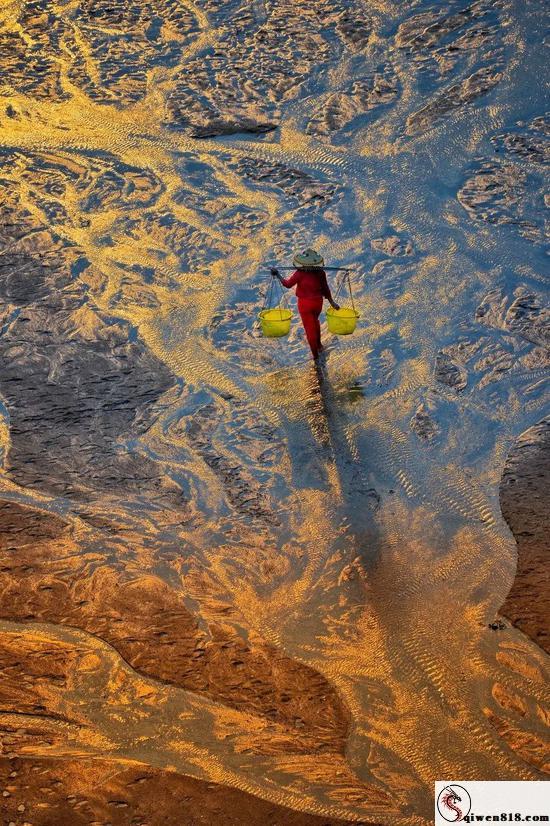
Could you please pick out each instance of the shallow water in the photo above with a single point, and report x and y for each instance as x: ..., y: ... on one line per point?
x: 348, y: 517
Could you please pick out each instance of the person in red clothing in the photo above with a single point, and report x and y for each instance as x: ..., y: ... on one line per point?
x: 311, y: 289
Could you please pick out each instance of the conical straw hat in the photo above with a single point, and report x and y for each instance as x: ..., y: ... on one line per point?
x: 308, y: 258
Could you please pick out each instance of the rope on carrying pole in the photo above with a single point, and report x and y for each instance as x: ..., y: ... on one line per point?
x: 350, y: 292
x: 282, y: 298
x: 339, y: 286
x: 345, y: 278
x: 267, y: 296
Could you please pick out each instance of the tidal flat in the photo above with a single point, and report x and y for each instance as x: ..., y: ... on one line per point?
x: 237, y: 590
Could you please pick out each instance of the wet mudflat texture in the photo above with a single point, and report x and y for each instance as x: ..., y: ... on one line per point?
x: 234, y: 589
x: 80, y: 792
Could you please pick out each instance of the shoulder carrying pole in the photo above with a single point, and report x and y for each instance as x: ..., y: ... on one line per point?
x: 343, y: 269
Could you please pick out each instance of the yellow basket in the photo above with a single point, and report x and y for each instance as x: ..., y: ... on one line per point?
x: 342, y: 322
x: 276, y: 322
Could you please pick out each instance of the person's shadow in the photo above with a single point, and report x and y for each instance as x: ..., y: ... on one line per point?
x: 358, y: 497
x: 318, y: 430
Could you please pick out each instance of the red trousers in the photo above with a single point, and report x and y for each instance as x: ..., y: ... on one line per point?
x: 310, y: 310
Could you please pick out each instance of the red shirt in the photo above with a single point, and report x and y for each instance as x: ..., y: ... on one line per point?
x: 310, y: 283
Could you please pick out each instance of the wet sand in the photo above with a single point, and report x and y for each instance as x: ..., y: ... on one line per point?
x: 77, y: 793
x: 72, y: 793
x: 161, y: 640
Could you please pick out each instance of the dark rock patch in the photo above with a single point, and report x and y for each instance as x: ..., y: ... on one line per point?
x: 367, y: 95
x: 423, y: 424
x: 525, y: 503
x: 452, y: 99
x: 449, y: 372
